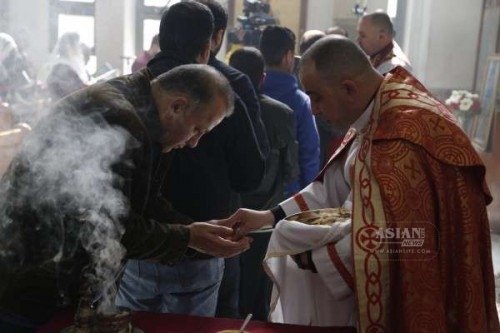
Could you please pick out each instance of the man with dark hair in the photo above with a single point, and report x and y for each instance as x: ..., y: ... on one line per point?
x: 184, y: 36
x: 277, y: 45
x: 414, y: 241
x: 200, y: 183
x: 239, y: 81
x: 281, y: 167
x: 85, y: 190
x: 376, y: 38
x: 227, y: 303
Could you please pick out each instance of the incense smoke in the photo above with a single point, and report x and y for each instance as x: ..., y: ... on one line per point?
x: 61, y: 198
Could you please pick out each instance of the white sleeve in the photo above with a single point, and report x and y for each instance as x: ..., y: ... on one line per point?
x: 330, y: 193
x: 335, y: 267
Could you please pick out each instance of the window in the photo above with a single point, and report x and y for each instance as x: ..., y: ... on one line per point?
x: 392, y: 8
x: 159, y: 3
x: 74, y: 16
x: 92, y: 1
x: 148, y: 21
x: 149, y: 29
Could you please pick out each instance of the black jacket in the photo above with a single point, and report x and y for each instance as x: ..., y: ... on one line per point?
x: 202, y: 182
x: 282, y: 162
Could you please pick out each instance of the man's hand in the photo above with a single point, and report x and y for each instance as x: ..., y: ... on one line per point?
x: 245, y: 220
x: 304, y: 261
x: 215, y: 240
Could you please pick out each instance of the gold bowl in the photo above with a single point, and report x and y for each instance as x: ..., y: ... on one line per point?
x: 324, y: 216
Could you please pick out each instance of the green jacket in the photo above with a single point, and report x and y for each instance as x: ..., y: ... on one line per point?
x: 35, y: 230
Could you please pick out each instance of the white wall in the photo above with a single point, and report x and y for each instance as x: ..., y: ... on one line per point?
x: 443, y: 41
x: 343, y: 9
x: 440, y: 37
x: 115, y: 31
x: 322, y: 18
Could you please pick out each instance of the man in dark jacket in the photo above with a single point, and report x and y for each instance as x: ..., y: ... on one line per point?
x: 228, y: 159
x: 227, y: 304
x: 87, y: 186
x: 281, y: 167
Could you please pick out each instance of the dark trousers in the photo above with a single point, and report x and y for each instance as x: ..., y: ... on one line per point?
x: 255, y: 285
x: 228, y: 300
x: 15, y: 326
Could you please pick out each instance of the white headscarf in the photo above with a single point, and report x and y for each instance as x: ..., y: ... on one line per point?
x: 69, y: 51
x: 7, y: 45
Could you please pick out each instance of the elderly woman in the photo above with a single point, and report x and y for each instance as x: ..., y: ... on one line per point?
x: 66, y: 70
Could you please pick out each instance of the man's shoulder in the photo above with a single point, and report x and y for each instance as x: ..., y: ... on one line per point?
x: 114, y: 100
x: 269, y: 103
x: 425, y: 122
x: 239, y: 81
x: 231, y: 73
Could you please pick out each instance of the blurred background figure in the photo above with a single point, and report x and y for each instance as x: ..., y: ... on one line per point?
x: 15, y: 80
x: 66, y: 71
x: 277, y: 46
x: 142, y: 59
x: 308, y: 39
x: 376, y: 38
x: 281, y: 167
x: 337, y: 30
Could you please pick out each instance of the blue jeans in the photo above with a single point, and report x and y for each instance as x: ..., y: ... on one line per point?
x: 12, y: 324
x: 190, y: 287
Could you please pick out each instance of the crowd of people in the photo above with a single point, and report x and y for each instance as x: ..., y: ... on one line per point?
x: 183, y: 173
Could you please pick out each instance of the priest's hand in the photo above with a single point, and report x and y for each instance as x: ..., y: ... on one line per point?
x: 304, y: 261
x: 246, y: 220
x: 215, y: 240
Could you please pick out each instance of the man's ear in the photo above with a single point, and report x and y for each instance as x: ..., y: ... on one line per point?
x: 383, y: 36
x: 204, y: 55
x: 217, y: 39
x: 349, y: 88
x: 179, y: 104
x: 262, y: 79
x: 288, y: 60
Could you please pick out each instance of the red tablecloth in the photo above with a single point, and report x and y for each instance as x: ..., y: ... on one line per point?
x: 172, y: 323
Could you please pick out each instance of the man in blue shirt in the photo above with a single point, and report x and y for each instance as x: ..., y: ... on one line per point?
x: 277, y: 45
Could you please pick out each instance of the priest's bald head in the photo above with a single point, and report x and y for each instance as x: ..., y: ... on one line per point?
x: 339, y: 79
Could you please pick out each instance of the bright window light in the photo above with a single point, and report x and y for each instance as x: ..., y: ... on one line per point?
x: 160, y: 3
x: 91, y: 1
x: 392, y: 8
x: 83, y: 25
x: 151, y: 28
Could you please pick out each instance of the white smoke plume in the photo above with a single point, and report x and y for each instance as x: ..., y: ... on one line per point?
x: 61, y: 194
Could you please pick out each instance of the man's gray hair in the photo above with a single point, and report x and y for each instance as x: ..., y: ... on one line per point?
x: 382, y: 21
x: 335, y: 57
x: 201, y: 83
